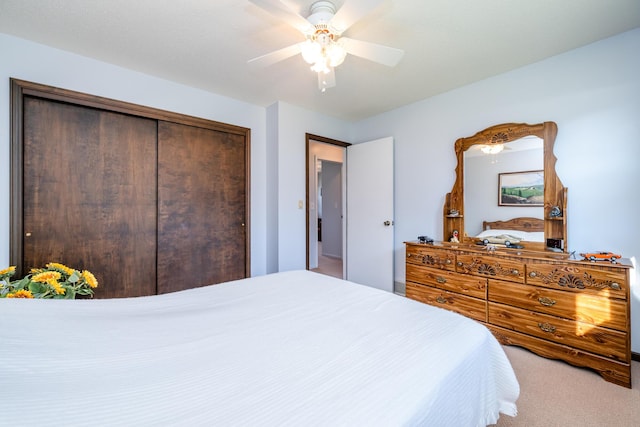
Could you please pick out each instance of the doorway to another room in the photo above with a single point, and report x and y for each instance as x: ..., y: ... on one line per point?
x: 325, y: 206
x: 329, y: 212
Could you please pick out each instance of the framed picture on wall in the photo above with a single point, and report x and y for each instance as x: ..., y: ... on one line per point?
x: 521, y: 188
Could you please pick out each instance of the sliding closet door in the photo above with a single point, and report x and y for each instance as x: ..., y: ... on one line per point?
x: 89, y: 194
x: 201, y: 206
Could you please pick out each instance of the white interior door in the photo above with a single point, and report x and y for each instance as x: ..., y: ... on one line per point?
x: 370, y: 213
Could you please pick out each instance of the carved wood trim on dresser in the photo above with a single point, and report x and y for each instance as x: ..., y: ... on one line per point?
x: 576, y: 311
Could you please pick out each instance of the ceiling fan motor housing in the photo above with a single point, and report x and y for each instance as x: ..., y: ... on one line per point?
x: 321, y: 13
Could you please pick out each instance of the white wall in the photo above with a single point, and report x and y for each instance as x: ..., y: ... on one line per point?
x: 40, y: 64
x: 293, y: 123
x: 592, y: 93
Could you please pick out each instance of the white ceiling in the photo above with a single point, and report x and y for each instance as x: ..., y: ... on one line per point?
x: 207, y: 43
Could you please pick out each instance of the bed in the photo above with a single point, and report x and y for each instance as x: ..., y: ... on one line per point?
x: 525, y: 228
x: 285, y: 349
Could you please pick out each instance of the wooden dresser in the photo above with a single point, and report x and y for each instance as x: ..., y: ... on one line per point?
x: 576, y: 311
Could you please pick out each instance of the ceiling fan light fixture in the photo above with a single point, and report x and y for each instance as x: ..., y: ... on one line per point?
x: 311, y: 51
x: 320, y: 67
x: 492, y: 149
x: 322, y: 52
x: 336, y: 54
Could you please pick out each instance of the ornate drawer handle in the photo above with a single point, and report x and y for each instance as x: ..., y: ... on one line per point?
x: 441, y: 279
x: 532, y: 274
x: 515, y: 271
x: 546, y: 327
x: 615, y: 286
x: 448, y: 261
x: 547, y: 302
x: 408, y: 255
x: 459, y: 263
x: 441, y: 299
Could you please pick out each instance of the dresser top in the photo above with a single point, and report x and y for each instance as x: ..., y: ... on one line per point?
x: 503, y: 252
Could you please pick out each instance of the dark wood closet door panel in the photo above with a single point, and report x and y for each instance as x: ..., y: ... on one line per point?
x: 90, y: 194
x: 201, y: 207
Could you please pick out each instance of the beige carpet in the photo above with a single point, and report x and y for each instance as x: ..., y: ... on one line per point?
x: 328, y: 265
x: 556, y: 394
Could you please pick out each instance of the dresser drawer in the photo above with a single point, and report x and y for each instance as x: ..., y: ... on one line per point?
x: 584, y: 307
x: 448, y: 281
x: 427, y: 255
x: 578, y: 278
x: 594, y: 339
x: 467, y: 306
x: 486, y: 266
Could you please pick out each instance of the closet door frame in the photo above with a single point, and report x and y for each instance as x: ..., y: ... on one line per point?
x: 21, y: 88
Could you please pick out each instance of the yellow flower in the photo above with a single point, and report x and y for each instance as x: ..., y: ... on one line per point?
x: 51, y: 278
x: 46, y: 276
x: 22, y: 293
x: 53, y: 281
x: 56, y: 287
x: 8, y: 271
x: 89, y: 278
x: 57, y: 266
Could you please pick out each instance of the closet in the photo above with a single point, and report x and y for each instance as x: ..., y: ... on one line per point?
x: 149, y: 201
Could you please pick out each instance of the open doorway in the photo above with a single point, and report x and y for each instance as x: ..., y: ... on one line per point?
x: 325, y: 188
x: 329, y: 201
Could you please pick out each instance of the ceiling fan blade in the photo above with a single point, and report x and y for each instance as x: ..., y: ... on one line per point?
x: 276, y: 56
x: 385, y: 55
x: 351, y: 12
x: 283, y: 12
x: 328, y: 80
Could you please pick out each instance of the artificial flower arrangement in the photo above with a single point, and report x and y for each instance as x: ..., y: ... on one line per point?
x: 54, y: 281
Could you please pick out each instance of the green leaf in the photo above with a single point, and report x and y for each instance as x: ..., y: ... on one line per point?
x: 69, y: 294
x: 22, y: 283
x: 75, y: 276
x: 37, y: 288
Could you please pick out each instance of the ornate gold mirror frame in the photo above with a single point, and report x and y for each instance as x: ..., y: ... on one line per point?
x: 555, y: 194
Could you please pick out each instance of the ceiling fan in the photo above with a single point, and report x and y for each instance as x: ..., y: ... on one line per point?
x: 324, y: 47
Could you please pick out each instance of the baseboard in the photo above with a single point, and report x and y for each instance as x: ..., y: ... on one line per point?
x: 399, y: 288
x: 635, y: 356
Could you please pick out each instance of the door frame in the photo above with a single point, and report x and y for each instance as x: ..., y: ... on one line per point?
x: 308, y: 139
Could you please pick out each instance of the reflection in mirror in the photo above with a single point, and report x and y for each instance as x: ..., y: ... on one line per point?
x: 460, y: 210
x: 481, y: 171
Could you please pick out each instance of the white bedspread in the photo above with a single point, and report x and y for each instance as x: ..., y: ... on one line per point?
x: 288, y: 349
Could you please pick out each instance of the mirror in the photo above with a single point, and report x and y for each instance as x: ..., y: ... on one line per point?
x: 518, y: 162
x: 514, y: 190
